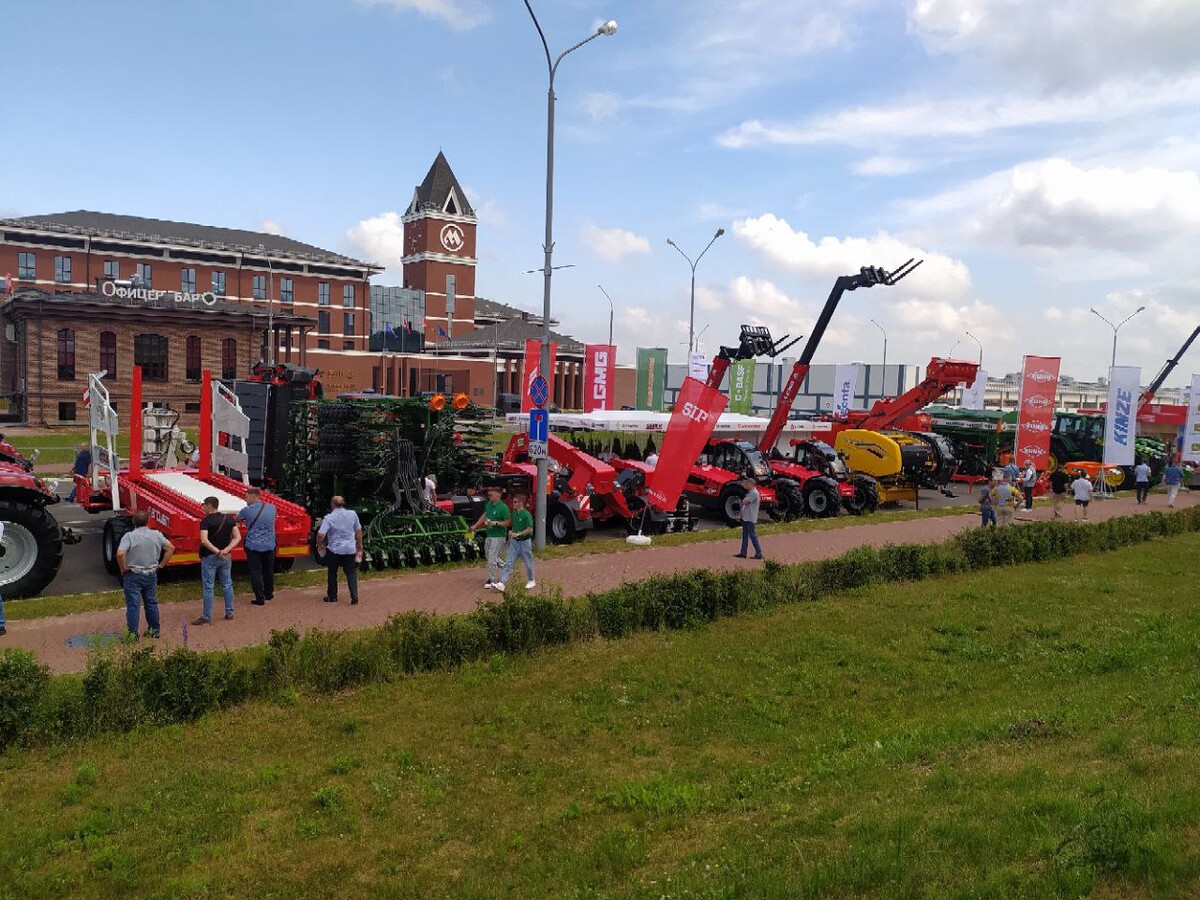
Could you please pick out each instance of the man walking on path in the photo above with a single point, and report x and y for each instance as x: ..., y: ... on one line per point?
x: 218, y: 536
x: 1006, y: 500
x: 1173, y: 479
x: 519, y: 545
x: 259, y: 518
x: 1028, y: 480
x: 987, y: 510
x: 1082, y: 489
x: 82, y: 466
x: 1141, y: 476
x: 1058, y: 488
x: 141, y: 553
x: 750, y: 504
x: 495, y: 519
x: 339, y: 540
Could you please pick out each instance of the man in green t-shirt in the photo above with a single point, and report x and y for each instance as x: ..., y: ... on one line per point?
x: 495, y: 519
x: 520, y: 545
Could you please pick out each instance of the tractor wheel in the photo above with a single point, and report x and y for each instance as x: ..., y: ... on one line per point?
x: 114, y: 529
x: 560, y: 527
x: 820, y: 500
x: 31, y: 550
x: 285, y: 564
x: 731, y: 504
x: 789, y: 501
x: 866, y: 498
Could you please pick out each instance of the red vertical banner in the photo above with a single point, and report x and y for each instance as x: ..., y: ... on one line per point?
x: 697, y: 409
x: 1035, y: 417
x: 599, y: 362
x: 533, y: 367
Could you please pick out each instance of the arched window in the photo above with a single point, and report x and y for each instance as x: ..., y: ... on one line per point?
x: 66, y: 354
x: 150, y: 352
x: 229, y: 363
x: 108, y: 354
x: 193, y: 358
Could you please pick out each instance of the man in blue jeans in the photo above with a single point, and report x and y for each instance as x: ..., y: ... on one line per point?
x: 340, y: 541
x: 219, y: 535
x: 750, y: 504
x: 141, y: 553
x: 259, y: 518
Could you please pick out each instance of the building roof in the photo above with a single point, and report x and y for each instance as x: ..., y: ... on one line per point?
x: 434, y: 192
x: 163, y: 231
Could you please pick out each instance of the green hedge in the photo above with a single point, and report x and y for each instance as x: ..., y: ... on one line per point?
x: 130, y: 686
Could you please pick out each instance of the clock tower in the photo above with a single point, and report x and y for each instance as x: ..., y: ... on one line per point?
x: 439, y: 253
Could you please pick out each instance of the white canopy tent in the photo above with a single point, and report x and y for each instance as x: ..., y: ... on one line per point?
x: 645, y: 422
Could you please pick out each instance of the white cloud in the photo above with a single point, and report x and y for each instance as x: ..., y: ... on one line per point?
x: 460, y: 15
x: 887, y: 165
x: 614, y: 244
x: 601, y: 105
x: 379, y: 239
x: 270, y: 226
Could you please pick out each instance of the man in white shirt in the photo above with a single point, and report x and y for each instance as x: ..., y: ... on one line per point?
x: 1082, y: 489
x: 340, y: 541
x: 1141, y: 477
x: 429, y: 489
x: 1028, y: 480
x: 652, y: 459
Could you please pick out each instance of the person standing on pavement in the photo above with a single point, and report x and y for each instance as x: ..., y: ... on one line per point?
x: 141, y: 553
x: 1005, y: 499
x: 495, y: 519
x: 339, y: 540
x: 82, y: 466
x: 1082, y: 489
x: 218, y: 536
x: 1058, y: 488
x: 987, y: 508
x: 258, y: 516
x: 1011, y: 472
x: 1172, y: 478
x: 1141, y: 477
x: 520, y: 545
x: 1028, y: 480
x: 750, y: 506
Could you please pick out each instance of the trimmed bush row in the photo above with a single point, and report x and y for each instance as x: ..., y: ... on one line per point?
x: 127, y: 687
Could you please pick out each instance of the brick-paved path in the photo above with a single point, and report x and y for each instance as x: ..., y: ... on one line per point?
x: 460, y: 590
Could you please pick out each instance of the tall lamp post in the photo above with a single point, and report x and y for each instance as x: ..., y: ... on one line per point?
x: 608, y: 28
x: 610, y: 312
x: 1117, y: 328
x: 693, y: 264
x: 977, y: 341
x: 883, y: 385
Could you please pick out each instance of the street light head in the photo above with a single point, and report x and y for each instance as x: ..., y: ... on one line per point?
x: 608, y: 28
x: 720, y: 231
x: 1095, y: 311
x: 1139, y: 309
x: 671, y: 242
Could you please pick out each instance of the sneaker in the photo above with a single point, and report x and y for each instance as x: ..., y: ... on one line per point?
x: 258, y: 602
x: 354, y: 601
x: 329, y: 599
x: 3, y: 631
x: 228, y: 616
x: 498, y: 586
x: 739, y: 555
x: 530, y: 585
x: 201, y: 621
x: 760, y: 556
x: 489, y: 585
x: 151, y: 633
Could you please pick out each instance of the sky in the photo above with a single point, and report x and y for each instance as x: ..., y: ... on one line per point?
x: 1042, y: 158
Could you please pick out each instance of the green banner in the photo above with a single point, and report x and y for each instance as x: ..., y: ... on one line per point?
x: 651, y: 375
x: 741, y: 386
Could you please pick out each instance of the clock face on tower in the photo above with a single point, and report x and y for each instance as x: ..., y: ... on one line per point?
x: 452, y: 238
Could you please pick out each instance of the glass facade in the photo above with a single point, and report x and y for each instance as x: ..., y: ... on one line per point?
x: 397, y: 319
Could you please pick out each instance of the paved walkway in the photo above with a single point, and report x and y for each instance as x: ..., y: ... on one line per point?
x: 58, y: 640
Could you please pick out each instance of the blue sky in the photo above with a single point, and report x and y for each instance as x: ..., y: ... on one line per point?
x: 1042, y: 157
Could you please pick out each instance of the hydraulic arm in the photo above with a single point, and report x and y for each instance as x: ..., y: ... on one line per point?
x: 940, y: 376
x: 1165, y: 372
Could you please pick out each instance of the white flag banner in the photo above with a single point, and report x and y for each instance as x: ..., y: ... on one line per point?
x: 845, y: 377
x: 1120, y: 420
x: 974, y: 394
x: 1191, y: 431
x: 698, y: 365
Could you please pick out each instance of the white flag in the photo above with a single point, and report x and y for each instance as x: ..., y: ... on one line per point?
x: 1191, y: 431
x: 1120, y: 420
x: 974, y: 395
x: 845, y: 378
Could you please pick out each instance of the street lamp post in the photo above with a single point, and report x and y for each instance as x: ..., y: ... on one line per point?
x: 693, y: 264
x: 980, y: 343
x: 608, y: 28
x: 1116, y: 328
x: 610, y: 312
x: 883, y: 384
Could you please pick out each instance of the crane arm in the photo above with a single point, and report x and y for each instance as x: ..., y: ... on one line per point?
x: 1165, y: 372
x: 940, y: 376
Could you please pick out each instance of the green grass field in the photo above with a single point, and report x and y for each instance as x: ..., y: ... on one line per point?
x: 1028, y: 731
x: 58, y: 447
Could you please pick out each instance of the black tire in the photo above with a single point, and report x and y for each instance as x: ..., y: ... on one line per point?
x: 560, y: 525
x: 866, y: 497
x: 789, y: 501
x: 31, y: 552
x: 820, y: 499
x: 730, y: 504
x: 114, y: 529
x: 285, y: 564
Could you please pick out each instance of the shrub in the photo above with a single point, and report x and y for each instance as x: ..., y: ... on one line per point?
x: 23, y: 684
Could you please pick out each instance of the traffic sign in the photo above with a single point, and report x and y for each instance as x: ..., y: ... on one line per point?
x: 539, y: 391
x: 539, y: 434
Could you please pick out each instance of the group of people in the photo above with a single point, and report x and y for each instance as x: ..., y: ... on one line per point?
x: 507, y: 539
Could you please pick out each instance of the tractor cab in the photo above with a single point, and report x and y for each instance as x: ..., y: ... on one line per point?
x: 741, y: 458
x: 820, y: 457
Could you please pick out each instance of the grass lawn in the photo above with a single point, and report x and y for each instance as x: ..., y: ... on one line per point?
x: 1019, y: 732
x: 58, y: 447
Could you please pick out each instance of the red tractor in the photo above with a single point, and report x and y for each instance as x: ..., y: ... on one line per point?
x: 31, y: 550
x: 815, y: 462
x: 715, y: 482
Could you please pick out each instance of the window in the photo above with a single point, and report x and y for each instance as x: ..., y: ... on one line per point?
x: 229, y: 366
x: 260, y: 287
x: 218, y: 286
x: 323, y: 294
x: 108, y: 353
x: 62, y: 269
x: 187, y: 281
x: 150, y: 352
x: 27, y: 266
x: 322, y: 345
x: 285, y: 290
x: 66, y: 354
x: 347, y: 295
x: 145, y: 275
x: 323, y: 322
x: 347, y: 323
x: 112, y: 269
x: 192, y: 370
x: 191, y: 407
x: 66, y: 412
x: 347, y: 345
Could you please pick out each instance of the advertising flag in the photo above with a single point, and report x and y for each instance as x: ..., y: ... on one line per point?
x: 696, y: 412
x: 651, y: 372
x: 1120, y: 419
x: 1191, y: 430
x: 533, y: 368
x: 698, y: 365
x: 845, y: 378
x: 598, y: 372
x: 1035, y: 416
x: 741, y: 386
x: 974, y: 394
